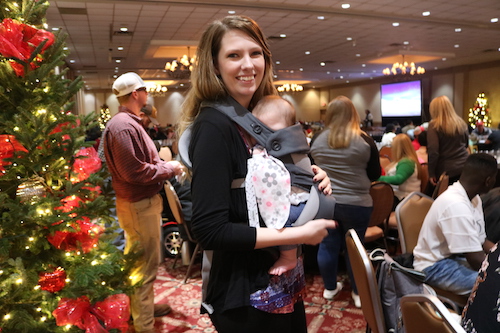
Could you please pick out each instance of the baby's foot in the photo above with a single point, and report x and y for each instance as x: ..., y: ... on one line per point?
x: 282, y: 265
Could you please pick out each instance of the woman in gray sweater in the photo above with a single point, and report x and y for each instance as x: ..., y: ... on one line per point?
x: 350, y: 158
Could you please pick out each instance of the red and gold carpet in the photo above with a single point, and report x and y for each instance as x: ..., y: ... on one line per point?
x: 339, y: 315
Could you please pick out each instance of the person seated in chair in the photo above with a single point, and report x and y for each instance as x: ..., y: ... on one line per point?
x: 452, y: 243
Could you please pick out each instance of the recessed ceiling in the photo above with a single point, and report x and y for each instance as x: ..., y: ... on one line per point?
x: 355, y: 44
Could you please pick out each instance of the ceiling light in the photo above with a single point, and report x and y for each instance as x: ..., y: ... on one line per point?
x: 231, y: 12
x: 406, y: 42
x: 118, y: 60
x: 346, y: 5
x: 120, y: 48
x: 404, y: 68
x: 363, y: 65
x: 282, y: 35
x: 124, y: 29
x: 349, y: 38
x: 278, y: 62
x: 444, y: 59
x: 181, y: 68
x: 321, y: 17
x: 290, y: 87
x: 494, y: 20
x: 458, y: 30
x: 395, y: 24
x: 322, y: 64
x: 302, y: 69
x: 308, y: 52
x: 426, y: 13
x: 457, y: 46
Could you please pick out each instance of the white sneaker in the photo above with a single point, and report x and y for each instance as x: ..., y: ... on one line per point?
x: 356, y: 300
x: 330, y: 294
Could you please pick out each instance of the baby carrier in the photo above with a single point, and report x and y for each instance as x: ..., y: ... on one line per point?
x: 286, y: 144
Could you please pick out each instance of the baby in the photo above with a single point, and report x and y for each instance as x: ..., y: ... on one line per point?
x: 268, y: 187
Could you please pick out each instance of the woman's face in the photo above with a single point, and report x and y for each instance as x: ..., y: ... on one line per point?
x: 241, y: 65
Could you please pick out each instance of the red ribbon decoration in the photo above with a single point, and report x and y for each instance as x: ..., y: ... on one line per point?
x: 114, y: 312
x: 85, y: 236
x: 52, y: 281
x: 19, y: 40
x: 8, y: 145
x: 84, y: 167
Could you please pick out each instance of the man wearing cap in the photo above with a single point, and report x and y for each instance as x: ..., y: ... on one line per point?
x: 482, y: 132
x: 138, y: 174
x: 150, y: 115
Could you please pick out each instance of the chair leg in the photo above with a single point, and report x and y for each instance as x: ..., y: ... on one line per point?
x: 178, y: 254
x: 196, y: 249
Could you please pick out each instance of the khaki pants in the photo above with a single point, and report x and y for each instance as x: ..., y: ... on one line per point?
x: 141, y: 222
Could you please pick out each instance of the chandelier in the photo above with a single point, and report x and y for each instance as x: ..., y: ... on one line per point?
x: 157, y: 90
x: 290, y: 87
x: 182, y: 67
x: 404, y: 68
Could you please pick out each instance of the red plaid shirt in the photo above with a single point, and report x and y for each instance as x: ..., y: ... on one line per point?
x: 131, y: 156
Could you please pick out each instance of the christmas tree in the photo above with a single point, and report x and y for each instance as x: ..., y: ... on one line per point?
x: 59, y: 271
x: 480, y: 111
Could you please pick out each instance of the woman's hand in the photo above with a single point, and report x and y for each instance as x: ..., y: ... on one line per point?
x: 316, y: 230
x: 433, y: 180
x: 323, y: 179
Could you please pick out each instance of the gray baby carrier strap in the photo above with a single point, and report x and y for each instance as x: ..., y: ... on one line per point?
x: 285, y: 144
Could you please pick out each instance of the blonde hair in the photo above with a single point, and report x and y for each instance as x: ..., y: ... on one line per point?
x: 277, y: 106
x: 342, y: 120
x: 206, y: 85
x: 401, y: 147
x: 444, y: 117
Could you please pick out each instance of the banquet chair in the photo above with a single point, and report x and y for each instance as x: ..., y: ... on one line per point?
x: 385, y: 151
x: 175, y: 206
x: 366, y: 282
x: 426, y: 313
x: 384, y: 161
x: 410, y: 214
x: 441, y: 186
x: 165, y: 154
x: 383, y: 199
x: 424, y: 176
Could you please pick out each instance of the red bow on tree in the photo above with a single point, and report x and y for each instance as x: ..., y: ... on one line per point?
x: 114, y: 312
x: 85, y: 236
x: 8, y: 145
x: 19, y: 41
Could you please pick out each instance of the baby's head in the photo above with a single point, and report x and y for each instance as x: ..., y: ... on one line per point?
x: 275, y: 112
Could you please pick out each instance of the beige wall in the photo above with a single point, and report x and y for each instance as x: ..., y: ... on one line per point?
x: 461, y: 85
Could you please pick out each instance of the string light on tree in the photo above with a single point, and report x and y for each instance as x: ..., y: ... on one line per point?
x: 104, y: 116
x: 480, y: 111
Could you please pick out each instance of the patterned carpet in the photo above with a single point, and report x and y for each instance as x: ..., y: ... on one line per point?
x: 339, y: 315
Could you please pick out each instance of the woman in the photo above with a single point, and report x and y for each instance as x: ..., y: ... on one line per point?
x: 405, y: 170
x: 351, y: 160
x: 447, y: 141
x: 234, y: 66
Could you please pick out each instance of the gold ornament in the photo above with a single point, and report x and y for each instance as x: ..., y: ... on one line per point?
x: 31, y: 190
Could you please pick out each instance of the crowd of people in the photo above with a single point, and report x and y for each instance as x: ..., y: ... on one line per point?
x: 246, y: 193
